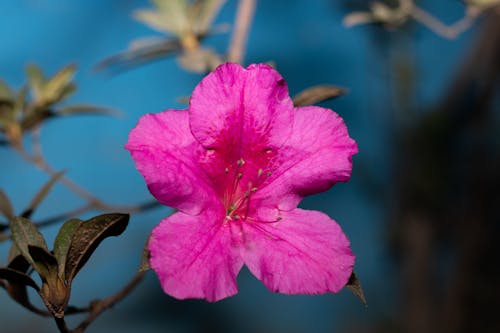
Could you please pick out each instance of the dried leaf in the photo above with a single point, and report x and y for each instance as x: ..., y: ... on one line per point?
x: 25, y: 233
x: 317, y: 94
x: 354, y: 285
x: 87, y: 238
x: 62, y: 243
x: 41, y: 194
x: 16, y: 277
x: 44, y: 262
x: 5, y: 206
x: 145, y: 265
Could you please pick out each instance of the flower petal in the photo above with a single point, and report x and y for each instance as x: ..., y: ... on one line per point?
x: 317, y: 155
x: 241, y: 105
x: 165, y: 153
x: 304, y: 253
x: 194, y: 256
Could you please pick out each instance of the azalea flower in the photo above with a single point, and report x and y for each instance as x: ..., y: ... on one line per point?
x: 235, y: 165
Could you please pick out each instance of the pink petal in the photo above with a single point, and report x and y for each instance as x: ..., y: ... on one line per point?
x: 243, y: 105
x: 317, y: 155
x: 304, y: 253
x: 165, y: 153
x: 194, y: 256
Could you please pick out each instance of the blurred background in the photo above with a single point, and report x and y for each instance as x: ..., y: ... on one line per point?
x: 421, y: 208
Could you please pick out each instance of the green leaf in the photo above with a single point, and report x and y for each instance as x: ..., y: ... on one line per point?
x: 87, y: 238
x: 354, y: 285
x: 25, y: 233
x: 5, y: 206
x: 317, y: 94
x: 202, y: 14
x: 87, y: 109
x: 36, y: 80
x: 62, y: 243
x: 42, y: 193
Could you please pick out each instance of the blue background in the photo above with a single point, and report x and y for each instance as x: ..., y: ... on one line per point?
x: 310, y: 46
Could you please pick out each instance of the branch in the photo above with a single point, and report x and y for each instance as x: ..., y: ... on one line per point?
x: 244, y: 16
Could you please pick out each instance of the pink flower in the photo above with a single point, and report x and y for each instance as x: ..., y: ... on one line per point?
x: 236, y: 165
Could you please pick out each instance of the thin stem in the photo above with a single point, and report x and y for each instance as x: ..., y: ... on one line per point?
x: 97, y: 307
x: 244, y: 16
x: 92, y: 201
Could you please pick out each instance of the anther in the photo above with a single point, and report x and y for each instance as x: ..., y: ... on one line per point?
x: 239, y: 175
x: 259, y: 173
x: 269, y: 173
x: 226, y: 170
x: 240, y: 162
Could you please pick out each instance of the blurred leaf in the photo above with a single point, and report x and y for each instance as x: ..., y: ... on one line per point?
x: 87, y: 109
x: 169, y: 16
x: 56, y: 87
x: 62, y: 243
x: 14, y: 276
x: 35, y: 118
x: 138, y: 55
x: 66, y: 92
x: 354, y: 285
x: 6, y: 94
x: 200, y: 60
x: 5, y: 206
x: 87, y: 238
x: 41, y: 194
x: 44, y: 262
x: 317, y: 94
x: 20, y: 102
x: 202, y: 14
x: 25, y: 233
x: 36, y: 80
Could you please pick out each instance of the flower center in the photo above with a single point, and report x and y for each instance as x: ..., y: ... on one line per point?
x: 239, y: 190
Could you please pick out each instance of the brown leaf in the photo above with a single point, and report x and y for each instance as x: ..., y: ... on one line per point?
x: 354, y: 285
x: 87, y: 238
